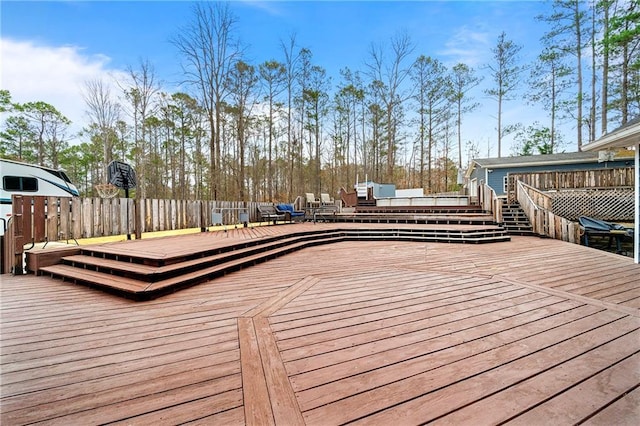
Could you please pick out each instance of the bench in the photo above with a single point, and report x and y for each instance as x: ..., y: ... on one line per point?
x: 324, y: 213
x: 290, y: 213
x: 269, y: 213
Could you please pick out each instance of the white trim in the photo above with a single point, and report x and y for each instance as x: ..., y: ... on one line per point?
x: 625, y: 137
x: 636, y: 238
x: 542, y: 163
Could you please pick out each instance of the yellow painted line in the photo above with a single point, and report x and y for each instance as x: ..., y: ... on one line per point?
x: 123, y: 237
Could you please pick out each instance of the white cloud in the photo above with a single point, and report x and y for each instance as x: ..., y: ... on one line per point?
x: 53, y: 74
x: 467, y: 46
x: 270, y: 7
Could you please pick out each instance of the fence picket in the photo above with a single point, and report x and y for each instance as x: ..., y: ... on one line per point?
x: 65, y: 218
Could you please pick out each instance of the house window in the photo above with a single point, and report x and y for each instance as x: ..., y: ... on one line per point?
x: 505, y: 184
x: 20, y: 183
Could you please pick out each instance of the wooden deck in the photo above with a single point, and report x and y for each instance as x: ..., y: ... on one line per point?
x: 145, y: 269
x: 530, y: 331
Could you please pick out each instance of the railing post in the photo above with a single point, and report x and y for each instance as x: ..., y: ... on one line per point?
x: 18, y: 219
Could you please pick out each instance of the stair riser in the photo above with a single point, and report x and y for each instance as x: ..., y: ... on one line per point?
x: 232, y: 263
x: 450, y: 236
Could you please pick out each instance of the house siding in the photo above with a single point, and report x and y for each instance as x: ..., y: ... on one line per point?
x: 497, y: 174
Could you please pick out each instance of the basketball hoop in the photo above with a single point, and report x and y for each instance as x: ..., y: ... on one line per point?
x: 107, y: 190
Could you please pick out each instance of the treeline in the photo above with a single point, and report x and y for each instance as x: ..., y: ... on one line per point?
x: 273, y: 130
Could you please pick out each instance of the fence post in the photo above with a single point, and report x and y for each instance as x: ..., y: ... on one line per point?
x: 138, y: 219
x: 203, y: 216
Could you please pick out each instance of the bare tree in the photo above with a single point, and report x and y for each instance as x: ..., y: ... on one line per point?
x: 432, y: 94
x: 605, y: 6
x: 391, y: 74
x: 505, y: 73
x: 140, y: 93
x: 316, y: 97
x: 303, y: 78
x: 349, y: 96
x: 548, y: 83
x: 243, y: 81
x: 210, y: 50
x: 566, y: 35
x: 463, y: 79
x: 291, y: 64
x: 104, y: 111
x: 622, y: 42
x: 273, y: 75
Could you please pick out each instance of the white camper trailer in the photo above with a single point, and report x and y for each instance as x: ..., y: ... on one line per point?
x: 28, y: 179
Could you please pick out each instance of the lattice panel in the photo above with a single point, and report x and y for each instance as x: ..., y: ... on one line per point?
x: 603, y: 204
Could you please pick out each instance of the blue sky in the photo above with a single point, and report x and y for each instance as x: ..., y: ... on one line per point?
x: 50, y: 48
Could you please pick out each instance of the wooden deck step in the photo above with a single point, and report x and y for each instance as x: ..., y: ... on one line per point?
x: 233, y: 265
x: 143, y: 290
x: 433, y: 238
x: 483, y: 235
x: 404, y: 218
x: 150, y: 273
x: 143, y: 280
x: 419, y: 209
x: 204, y: 249
x: 84, y: 261
x: 97, y: 279
x: 515, y: 220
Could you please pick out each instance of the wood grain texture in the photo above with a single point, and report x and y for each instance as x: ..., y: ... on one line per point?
x: 384, y: 332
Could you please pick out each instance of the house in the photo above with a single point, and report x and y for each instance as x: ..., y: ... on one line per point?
x: 627, y: 135
x: 494, y: 171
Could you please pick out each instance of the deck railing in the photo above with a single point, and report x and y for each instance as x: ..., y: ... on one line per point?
x: 537, y: 206
x: 621, y: 177
x: 490, y: 202
x: 7, y: 249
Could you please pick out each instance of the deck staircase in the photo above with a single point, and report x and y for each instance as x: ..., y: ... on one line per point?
x: 140, y: 276
x: 515, y: 220
x: 440, y: 215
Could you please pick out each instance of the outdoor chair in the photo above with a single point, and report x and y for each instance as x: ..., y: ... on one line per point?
x: 326, y: 199
x: 312, y: 201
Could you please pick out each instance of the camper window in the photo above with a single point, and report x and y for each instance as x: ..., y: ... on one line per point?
x: 19, y: 183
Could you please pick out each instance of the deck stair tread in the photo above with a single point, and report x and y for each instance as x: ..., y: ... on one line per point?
x: 515, y: 220
x: 395, y: 218
x: 422, y: 212
x: 235, y: 264
x: 462, y: 215
x: 191, y: 253
x: 434, y: 209
x: 142, y: 289
x: 151, y: 272
x: 145, y: 281
x: 101, y: 279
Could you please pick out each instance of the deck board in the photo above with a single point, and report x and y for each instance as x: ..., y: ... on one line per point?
x: 367, y: 332
x: 603, y: 388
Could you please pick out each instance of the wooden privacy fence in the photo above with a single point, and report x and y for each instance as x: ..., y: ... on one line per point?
x: 578, y: 179
x: 37, y: 219
x: 537, y: 206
